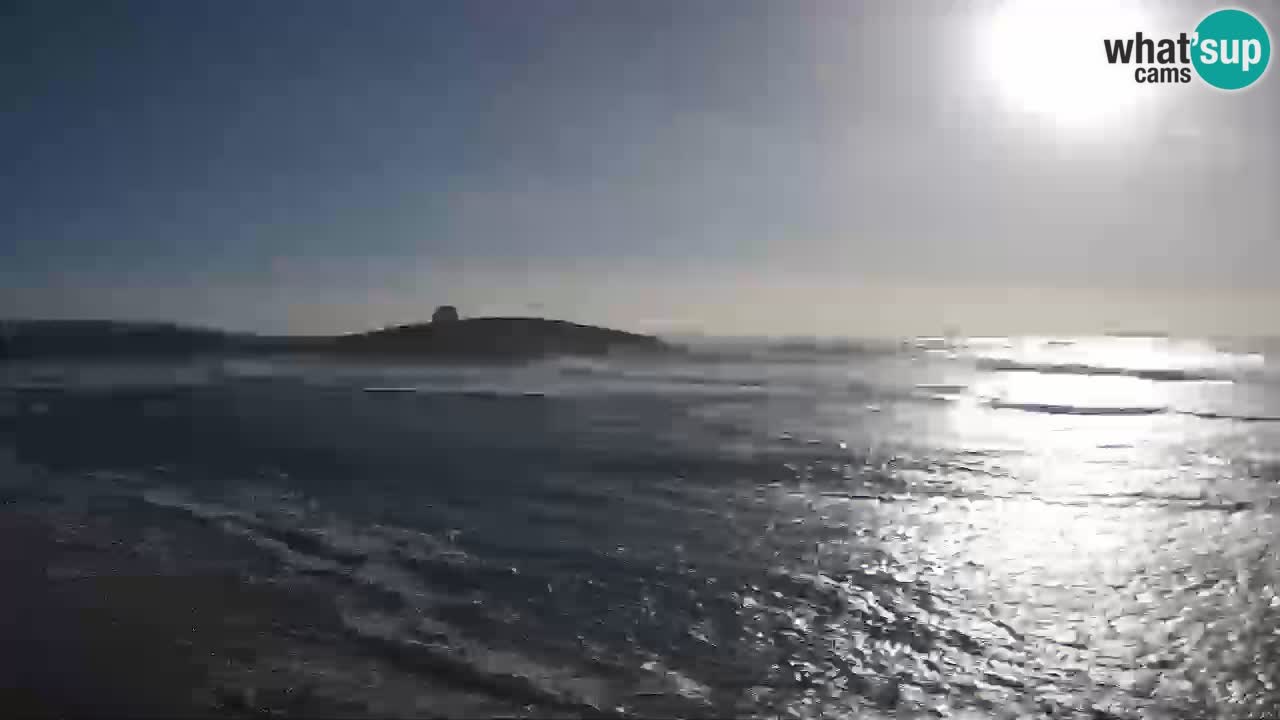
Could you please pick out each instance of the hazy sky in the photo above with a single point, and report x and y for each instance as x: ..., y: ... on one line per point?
x: 774, y: 167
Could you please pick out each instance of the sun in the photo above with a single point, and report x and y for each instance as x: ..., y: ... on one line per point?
x: 1045, y: 59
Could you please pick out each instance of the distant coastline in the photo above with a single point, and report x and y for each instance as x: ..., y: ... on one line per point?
x: 447, y: 338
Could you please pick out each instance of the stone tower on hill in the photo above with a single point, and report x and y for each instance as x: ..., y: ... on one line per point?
x: 445, y: 314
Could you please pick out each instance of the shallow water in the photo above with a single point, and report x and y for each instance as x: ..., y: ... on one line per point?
x: 983, y: 528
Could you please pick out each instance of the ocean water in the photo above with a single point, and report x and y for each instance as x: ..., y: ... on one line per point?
x: 990, y: 527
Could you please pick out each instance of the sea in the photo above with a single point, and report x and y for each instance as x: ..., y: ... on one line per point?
x: 966, y: 528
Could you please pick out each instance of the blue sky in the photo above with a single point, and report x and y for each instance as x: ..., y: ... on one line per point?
x: 809, y: 167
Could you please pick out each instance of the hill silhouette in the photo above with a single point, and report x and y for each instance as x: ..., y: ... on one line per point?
x: 492, y: 338
x: 496, y: 337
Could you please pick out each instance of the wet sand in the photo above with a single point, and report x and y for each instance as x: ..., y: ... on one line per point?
x: 135, y: 644
x: 78, y: 645
x: 98, y: 632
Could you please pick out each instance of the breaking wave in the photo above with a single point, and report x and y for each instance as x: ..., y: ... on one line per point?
x: 1156, y: 374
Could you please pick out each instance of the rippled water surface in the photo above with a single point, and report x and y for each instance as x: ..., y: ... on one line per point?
x: 989, y: 528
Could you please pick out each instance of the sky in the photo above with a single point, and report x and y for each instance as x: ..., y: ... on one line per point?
x: 786, y: 168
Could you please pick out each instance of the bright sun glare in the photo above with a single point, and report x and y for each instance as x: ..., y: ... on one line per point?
x: 1046, y: 59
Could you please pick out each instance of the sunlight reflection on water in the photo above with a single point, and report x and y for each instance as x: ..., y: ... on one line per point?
x: 1100, y: 561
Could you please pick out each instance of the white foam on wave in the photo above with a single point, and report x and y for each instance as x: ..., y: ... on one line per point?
x: 296, y: 533
x: 442, y: 648
x: 304, y: 538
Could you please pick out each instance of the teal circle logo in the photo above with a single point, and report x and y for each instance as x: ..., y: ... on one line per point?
x: 1232, y: 49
